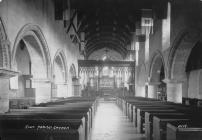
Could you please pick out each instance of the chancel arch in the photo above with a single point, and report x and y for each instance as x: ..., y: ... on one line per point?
x: 59, y: 86
x: 156, y: 79
x: 30, y: 56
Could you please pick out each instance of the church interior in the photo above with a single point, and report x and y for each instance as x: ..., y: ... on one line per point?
x: 100, y: 69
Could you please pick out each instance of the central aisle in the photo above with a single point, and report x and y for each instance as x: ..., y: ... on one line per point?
x: 111, y: 124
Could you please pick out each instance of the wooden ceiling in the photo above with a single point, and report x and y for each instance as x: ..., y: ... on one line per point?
x: 111, y: 23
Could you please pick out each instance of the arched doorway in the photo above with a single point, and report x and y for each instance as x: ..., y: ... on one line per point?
x: 59, y: 86
x: 31, y: 58
x: 74, y: 81
x: 156, y: 85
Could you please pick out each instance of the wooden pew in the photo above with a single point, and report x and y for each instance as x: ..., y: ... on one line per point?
x: 180, y: 113
x: 184, y: 130
x: 149, y: 120
x: 65, y: 106
x: 135, y: 101
x: 134, y: 105
x: 83, y: 105
x: 141, y: 115
x: 91, y: 106
x: 74, y: 103
x: 160, y: 122
x: 65, y: 112
x: 178, y: 107
x: 73, y: 100
x: 123, y: 101
x: 69, y: 110
x: 69, y: 100
x: 93, y: 103
x: 26, y: 127
x: 128, y: 105
x: 137, y: 114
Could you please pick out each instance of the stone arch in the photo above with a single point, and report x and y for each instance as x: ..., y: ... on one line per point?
x: 72, y: 71
x: 177, y: 61
x: 33, y: 36
x: 157, y: 75
x: 5, y: 56
x: 35, y: 69
x: 60, y: 60
x: 193, y: 72
x: 59, y: 87
x: 180, y: 51
x: 157, y: 62
x: 5, y: 66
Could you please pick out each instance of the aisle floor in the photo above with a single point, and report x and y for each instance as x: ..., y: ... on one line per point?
x: 111, y: 124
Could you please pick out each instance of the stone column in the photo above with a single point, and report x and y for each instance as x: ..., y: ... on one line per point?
x: 175, y: 89
x: 53, y: 90
x: 42, y: 90
x: 99, y: 74
x: 5, y: 76
x: 62, y: 89
x: 152, y: 89
x: 76, y: 87
x: 140, y: 90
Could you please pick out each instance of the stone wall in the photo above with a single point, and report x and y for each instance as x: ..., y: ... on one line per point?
x: 15, y: 15
x: 185, y: 25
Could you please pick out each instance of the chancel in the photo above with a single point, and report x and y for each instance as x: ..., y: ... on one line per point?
x: 100, y: 69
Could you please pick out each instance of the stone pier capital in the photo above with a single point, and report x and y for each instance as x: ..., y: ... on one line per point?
x: 177, y: 81
x: 153, y: 83
x: 7, y: 73
x: 5, y: 42
x: 41, y: 80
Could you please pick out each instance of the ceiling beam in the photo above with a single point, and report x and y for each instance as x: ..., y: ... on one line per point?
x: 108, y: 33
x: 123, y: 54
x: 122, y: 50
x: 104, y: 38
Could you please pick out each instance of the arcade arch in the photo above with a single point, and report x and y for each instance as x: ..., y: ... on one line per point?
x: 157, y: 74
x: 5, y: 67
x: 31, y: 58
x: 4, y: 47
x: 181, y: 79
x: 59, y: 87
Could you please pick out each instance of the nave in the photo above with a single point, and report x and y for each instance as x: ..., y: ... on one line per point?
x: 74, y: 118
x: 103, y: 118
x: 58, y: 56
x: 110, y: 123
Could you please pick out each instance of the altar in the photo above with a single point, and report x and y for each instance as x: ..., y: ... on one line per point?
x: 107, y: 82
